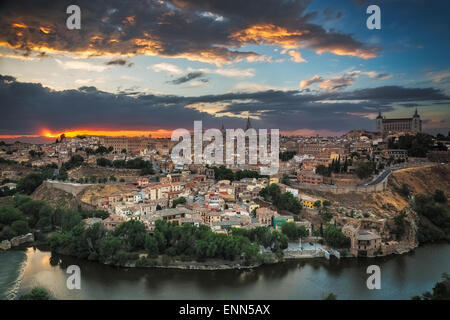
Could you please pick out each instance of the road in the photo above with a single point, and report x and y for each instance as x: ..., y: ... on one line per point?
x: 382, y: 176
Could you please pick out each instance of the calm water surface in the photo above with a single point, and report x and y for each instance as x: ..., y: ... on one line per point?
x: 401, y: 278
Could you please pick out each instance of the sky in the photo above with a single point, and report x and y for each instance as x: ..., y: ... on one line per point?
x: 149, y: 67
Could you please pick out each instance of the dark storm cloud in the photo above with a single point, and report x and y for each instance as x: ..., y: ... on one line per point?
x: 211, y: 31
x: 394, y: 94
x: 39, y: 107
x: 190, y: 76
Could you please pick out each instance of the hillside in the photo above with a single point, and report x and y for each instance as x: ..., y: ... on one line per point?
x: 419, y: 180
x: 424, y: 179
x: 92, y: 194
x: 55, y: 197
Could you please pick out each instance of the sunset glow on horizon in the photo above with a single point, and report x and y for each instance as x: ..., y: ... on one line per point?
x: 160, y: 133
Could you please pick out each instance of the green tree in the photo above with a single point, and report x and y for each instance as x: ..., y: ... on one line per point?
x: 20, y: 227
x: 331, y: 296
x: 290, y: 230
x: 103, y: 162
x: 441, y: 290
x: 285, y: 180
x: 132, y: 233
x: 322, y: 170
x: 29, y: 183
x: 151, y: 246
x: 9, y: 214
x: 365, y: 169
x: 36, y: 293
x: 439, y: 196
x: 334, y: 237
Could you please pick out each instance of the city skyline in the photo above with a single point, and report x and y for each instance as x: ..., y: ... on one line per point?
x: 305, y: 67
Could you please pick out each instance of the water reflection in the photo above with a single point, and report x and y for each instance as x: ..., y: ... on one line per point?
x: 402, y: 277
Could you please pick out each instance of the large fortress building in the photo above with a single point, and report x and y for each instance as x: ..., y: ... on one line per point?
x: 131, y: 144
x: 385, y: 125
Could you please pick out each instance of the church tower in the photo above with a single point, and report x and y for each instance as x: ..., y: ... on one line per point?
x: 379, y: 122
x: 249, y: 125
x: 416, y: 122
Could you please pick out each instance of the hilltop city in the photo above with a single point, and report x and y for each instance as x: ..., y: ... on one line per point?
x: 323, y: 200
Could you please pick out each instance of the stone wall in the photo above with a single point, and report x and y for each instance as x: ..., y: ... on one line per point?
x: 72, y: 188
x: 380, y: 187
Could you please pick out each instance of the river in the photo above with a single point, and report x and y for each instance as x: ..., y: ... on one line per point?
x: 401, y: 278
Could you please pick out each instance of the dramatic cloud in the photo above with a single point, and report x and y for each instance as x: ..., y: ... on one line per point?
x: 190, y: 76
x: 40, y: 108
x: 203, y: 30
x: 307, y: 83
x: 343, y: 81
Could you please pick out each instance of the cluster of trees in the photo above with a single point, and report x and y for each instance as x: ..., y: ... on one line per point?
x: 283, y: 201
x: 429, y: 207
x: 441, y: 290
x: 138, y: 163
x: 74, y: 162
x: 100, y: 150
x: 129, y: 239
x: 32, y: 181
x: 26, y: 214
x: 293, y: 232
x: 266, y: 237
x: 417, y: 145
x: 400, y: 226
x: 287, y: 155
x: 36, y: 293
x: 3, y: 160
x: 404, y: 190
x: 334, y: 237
x: 365, y: 169
x: 223, y: 173
x: 336, y: 166
x: 94, y: 179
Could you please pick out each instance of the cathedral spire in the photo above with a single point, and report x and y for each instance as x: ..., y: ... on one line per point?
x: 249, y: 125
x: 416, y: 114
x: 379, y: 114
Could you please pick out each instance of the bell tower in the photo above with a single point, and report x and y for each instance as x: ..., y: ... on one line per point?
x: 416, y: 122
x: 379, y: 123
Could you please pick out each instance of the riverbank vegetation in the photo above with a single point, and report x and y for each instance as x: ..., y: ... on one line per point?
x: 24, y: 214
x: 36, y: 293
x: 334, y: 237
x: 130, y: 243
x: 432, y: 209
x: 441, y: 290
